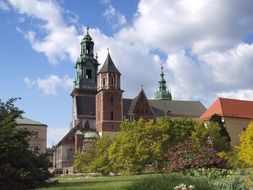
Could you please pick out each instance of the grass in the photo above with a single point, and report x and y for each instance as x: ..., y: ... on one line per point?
x: 150, y: 182
x: 94, y: 183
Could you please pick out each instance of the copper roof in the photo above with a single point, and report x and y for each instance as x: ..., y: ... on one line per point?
x: 229, y: 108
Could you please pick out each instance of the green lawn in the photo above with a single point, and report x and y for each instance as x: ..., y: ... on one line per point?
x: 94, y: 183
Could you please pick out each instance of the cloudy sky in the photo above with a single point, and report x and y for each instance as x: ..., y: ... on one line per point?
x: 206, y: 48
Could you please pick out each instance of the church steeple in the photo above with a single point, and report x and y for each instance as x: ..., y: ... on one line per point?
x: 109, y: 111
x: 162, y: 93
x: 86, y: 66
x: 87, y: 46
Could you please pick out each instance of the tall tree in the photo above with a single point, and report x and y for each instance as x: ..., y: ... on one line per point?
x: 245, y: 149
x: 223, y: 130
x: 19, y: 167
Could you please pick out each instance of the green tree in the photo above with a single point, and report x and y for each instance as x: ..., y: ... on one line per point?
x: 245, y: 149
x: 19, y: 167
x: 101, y: 163
x: 139, y: 145
x: 208, y: 134
x: 180, y: 130
x: 200, y: 134
x: 83, y: 159
x: 223, y: 130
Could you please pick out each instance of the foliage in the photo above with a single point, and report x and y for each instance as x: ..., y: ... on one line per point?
x: 138, y: 145
x: 180, y: 130
x: 232, y: 159
x: 169, y: 181
x: 19, y: 167
x: 186, y: 155
x: 208, y: 134
x: 245, y: 149
x: 101, y: 163
x: 83, y: 159
x: 230, y: 184
x: 223, y: 130
x: 210, y: 173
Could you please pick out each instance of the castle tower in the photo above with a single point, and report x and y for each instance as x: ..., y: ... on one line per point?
x: 85, y: 84
x: 109, y: 114
x: 162, y: 93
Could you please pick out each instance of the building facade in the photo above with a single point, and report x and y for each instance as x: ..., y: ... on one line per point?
x: 236, y: 115
x: 38, y: 140
x: 99, y: 107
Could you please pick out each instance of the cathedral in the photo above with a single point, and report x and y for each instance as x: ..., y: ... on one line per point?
x: 98, y: 106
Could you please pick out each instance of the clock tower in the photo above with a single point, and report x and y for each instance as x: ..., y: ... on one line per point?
x: 85, y: 84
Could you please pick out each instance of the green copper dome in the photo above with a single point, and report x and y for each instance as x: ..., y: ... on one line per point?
x: 91, y: 134
x: 162, y: 93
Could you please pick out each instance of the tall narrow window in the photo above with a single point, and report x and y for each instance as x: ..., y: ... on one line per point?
x: 112, y: 81
x: 88, y: 74
x: 88, y: 49
x: 86, y: 125
x: 112, y: 115
x: 112, y: 99
x: 103, y: 81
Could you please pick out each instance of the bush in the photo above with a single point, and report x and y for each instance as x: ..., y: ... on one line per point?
x: 210, y: 173
x: 186, y: 155
x: 230, y: 184
x: 169, y: 181
x: 245, y: 149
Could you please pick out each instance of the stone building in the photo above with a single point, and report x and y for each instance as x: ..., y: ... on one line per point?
x: 236, y: 115
x: 38, y: 139
x: 99, y: 106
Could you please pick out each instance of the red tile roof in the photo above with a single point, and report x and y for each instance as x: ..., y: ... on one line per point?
x: 229, y: 108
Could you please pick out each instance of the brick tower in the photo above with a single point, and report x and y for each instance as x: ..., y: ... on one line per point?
x: 109, y: 114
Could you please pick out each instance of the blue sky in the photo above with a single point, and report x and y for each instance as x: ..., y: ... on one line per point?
x: 205, y: 46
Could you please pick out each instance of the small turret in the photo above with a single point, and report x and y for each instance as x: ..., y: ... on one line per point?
x: 162, y: 93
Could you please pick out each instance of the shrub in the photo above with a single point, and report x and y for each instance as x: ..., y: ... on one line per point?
x: 170, y: 181
x: 210, y: 173
x: 245, y: 149
x: 230, y: 184
x: 186, y: 155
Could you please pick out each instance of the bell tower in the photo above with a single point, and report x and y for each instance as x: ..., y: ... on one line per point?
x: 109, y: 113
x: 163, y: 93
x: 86, y: 66
x: 85, y: 83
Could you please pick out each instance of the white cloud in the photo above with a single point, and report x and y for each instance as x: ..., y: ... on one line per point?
x: 201, y: 43
x: 202, y: 25
x: 4, y: 6
x: 237, y: 94
x: 29, y: 82
x: 52, y: 138
x: 233, y: 67
x: 50, y: 84
x: 136, y: 65
x: 114, y: 17
x: 60, y: 41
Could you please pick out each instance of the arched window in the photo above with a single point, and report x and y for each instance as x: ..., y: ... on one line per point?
x: 103, y: 83
x: 86, y: 125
